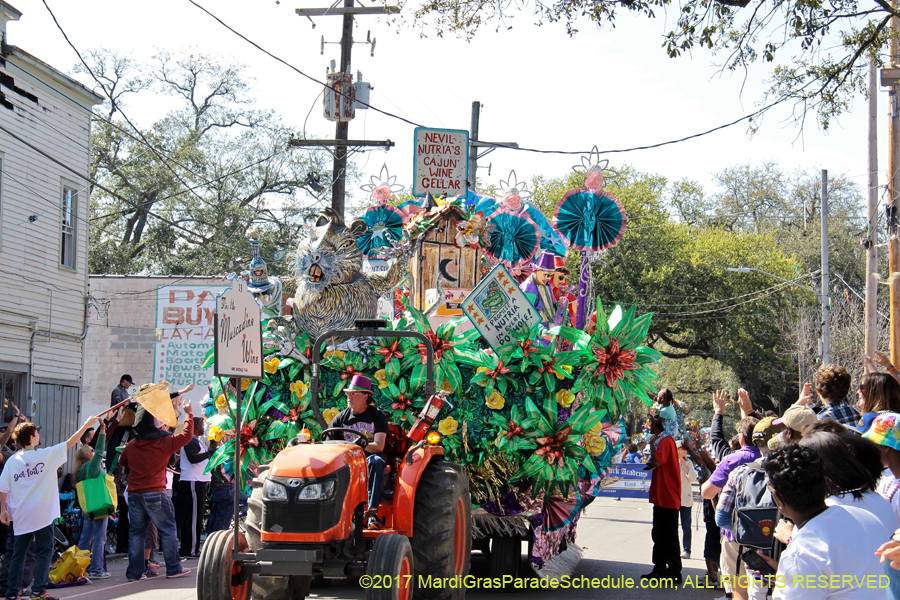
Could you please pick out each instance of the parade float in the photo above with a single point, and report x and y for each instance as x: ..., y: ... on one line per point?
x: 535, y: 389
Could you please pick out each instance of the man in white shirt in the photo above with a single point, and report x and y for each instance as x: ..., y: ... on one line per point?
x: 29, y: 496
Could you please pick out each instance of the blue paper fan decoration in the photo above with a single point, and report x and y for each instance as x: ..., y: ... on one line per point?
x: 385, y: 225
x: 514, y: 238
x: 590, y: 220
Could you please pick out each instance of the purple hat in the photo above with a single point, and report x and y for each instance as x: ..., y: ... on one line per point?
x: 359, y: 383
x: 545, y: 262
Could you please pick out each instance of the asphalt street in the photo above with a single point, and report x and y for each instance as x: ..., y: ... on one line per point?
x: 615, y: 536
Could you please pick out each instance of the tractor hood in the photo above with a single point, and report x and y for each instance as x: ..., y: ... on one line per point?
x: 316, y: 460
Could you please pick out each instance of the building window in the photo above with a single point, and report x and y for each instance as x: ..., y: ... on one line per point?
x: 67, y: 240
x: 11, y: 385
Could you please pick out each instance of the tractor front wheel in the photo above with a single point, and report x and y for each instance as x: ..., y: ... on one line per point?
x: 390, y: 571
x: 218, y: 575
x: 442, y: 529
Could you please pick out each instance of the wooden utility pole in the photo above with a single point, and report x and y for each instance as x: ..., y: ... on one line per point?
x: 342, y: 129
x: 893, y: 188
x: 871, y: 331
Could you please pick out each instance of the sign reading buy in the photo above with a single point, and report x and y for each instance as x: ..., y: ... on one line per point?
x: 238, y: 341
x: 442, y: 161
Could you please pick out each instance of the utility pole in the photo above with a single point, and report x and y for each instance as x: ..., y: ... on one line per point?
x: 342, y: 129
x: 826, y: 317
x: 871, y: 331
x: 473, y: 149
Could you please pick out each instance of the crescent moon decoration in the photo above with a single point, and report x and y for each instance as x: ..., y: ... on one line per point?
x: 443, y: 269
x: 385, y: 225
x: 514, y: 237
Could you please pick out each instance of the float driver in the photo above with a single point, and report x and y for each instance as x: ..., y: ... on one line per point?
x: 362, y: 416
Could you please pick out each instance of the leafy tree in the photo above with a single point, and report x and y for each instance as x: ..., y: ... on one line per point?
x: 181, y: 195
x: 814, y: 47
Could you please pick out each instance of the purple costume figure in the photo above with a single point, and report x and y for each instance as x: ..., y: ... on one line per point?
x: 539, y: 292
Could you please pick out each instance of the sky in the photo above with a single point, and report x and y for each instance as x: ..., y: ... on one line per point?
x: 613, y: 88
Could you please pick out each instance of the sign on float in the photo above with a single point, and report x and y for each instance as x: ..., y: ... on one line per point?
x: 442, y: 162
x: 238, y: 341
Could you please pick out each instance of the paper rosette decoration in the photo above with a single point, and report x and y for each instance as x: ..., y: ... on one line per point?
x: 385, y: 225
x: 590, y: 220
x: 409, y: 209
x: 514, y: 237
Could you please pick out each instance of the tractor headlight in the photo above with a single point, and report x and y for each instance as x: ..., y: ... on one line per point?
x: 274, y: 491
x: 323, y: 490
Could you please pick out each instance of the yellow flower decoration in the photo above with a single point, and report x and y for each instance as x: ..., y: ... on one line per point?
x: 221, y: 403
x: 339, y: 354
x: 299, y: 389
x: 479, y: 371
x: 271, y: 365
x: 245, y: 383
x: 594, y: 442
x: 381, y: 378
x: 566, y: 368
x: 565, y: 398
x: 215, y: 433
x: 329, y: 414
x: 448, y: 426
x: 495, y: 401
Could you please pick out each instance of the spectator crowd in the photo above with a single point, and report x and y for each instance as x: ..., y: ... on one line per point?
x: 162, y: 491
x: 801, y: 506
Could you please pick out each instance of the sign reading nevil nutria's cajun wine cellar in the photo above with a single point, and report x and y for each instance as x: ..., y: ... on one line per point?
x: 238, y: 341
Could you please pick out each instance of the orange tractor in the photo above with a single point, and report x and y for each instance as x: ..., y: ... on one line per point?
x: 305, y: 516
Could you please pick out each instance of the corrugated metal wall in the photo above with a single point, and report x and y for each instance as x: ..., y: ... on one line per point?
x: 57, y: 409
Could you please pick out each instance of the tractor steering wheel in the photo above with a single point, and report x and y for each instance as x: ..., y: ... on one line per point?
x: 331, y: 434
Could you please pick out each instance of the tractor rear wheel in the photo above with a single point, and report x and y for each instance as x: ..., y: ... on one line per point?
x: 390, y: 569
x: 442, y: 529
x: 218, y: 576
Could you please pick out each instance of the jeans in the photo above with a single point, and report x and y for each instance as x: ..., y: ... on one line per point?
x: 685, y: 513
x: 144, y: 508
x: 30, y: 561
x: 376, y: 466
x: 93, y: 536
x: 221, y: 508
x: 189, y: 508
x: 666, y: 558
x: 43, y: 546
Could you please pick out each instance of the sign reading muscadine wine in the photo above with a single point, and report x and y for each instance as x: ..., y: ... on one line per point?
x: 238, y: 338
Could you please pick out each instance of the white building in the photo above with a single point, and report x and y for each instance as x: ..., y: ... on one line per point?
x: 45, y: 121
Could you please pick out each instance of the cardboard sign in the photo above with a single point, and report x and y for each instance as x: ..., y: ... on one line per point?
x: 442, y: 162
x: 626, y: 480
x: 497, y: 306
x: 185, y: 328
x: 238, y: 337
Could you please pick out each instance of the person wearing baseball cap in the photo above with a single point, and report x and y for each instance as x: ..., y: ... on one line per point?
x: 120, y: 392
x: 795, y: 420
x: 362, y: 415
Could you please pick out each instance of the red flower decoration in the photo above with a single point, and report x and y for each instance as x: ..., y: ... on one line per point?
x: 497, y: 372
x: 292, y: 416
x: 551, y: 447
x: 527, y: 348
x: 613, y: 362
x: 248, y: 438
x: 402, y: 402
x: 440, y: 346
x: 547, y: 366
x: 349, y: 372
x: 390, y: 351
x: 514, y: 430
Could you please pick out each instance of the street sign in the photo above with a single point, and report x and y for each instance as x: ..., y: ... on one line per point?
x: 442, y: 161
x: 238, y: 339
x: 498, y: 307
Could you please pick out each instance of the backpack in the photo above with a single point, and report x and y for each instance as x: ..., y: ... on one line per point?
x: 755, y: 512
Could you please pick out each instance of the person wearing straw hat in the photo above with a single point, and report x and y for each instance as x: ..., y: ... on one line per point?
x: 361, y: 415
